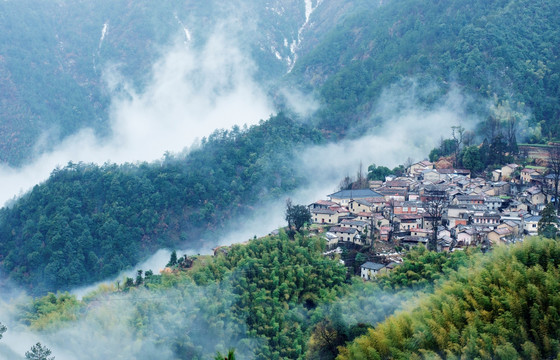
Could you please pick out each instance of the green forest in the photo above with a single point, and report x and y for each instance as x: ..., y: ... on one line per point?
x: 503, y: 307
x: 505, y: 50
x: 278, y: 298
x: 88, y: 222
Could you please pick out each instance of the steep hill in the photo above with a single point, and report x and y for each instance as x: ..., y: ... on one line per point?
x: 88, y: 222
x: 56, y: 55
x: 507, y: 48
x: 504, y: 308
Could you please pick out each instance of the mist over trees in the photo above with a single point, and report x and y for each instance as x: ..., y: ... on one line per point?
x: 88, y: 222
x: 278, y: 297
x: 504, y: 307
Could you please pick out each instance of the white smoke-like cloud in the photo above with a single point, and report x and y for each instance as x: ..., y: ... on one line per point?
x: 408, y: 129
x: 191, y: 93
x: 139, y: 325
x: 405, y: 129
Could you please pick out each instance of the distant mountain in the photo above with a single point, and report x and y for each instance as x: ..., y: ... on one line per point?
x: 54, y: 54
x: 505, y: 50
x: 345, y: 52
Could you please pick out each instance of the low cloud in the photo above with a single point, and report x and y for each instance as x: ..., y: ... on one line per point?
x: 401, y: 127
x: 192, y: 92
x: 187, y: 320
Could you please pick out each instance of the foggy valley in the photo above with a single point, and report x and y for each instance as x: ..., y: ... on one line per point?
x: 287, y: 179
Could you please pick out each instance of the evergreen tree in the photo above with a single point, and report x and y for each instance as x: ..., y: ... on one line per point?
x: 39, y: 352
x: 230, y: 355
x: 172, y: 259
x: 548, y: 224
x: 297, y: 215
x: 3, y: 329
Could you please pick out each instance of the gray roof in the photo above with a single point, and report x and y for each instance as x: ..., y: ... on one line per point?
x: 533, y: 218
x: 343, y: 229
x: 354, y: 194
x: 354, y: 222
x: 323, y: 211
x: 372, y: 266
x: 494, y: 199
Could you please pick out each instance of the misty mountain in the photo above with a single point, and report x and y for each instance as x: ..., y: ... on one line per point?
x: 498, y: 51
x: 58, y: 58
x: 89, y: 222
x: 66, y: 64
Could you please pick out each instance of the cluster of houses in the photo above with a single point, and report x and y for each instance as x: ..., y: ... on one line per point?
x: 476, y: 211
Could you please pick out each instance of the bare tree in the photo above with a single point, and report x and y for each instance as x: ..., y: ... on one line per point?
x: 435, y: 205
x: 346, y: 183
x: 361, y: 180
x: 457, y: 134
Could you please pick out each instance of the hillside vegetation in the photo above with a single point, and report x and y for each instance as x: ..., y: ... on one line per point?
x: 272, y: 298
x: 506, y: 48
x: 280, y: 298
x: 88, y: 222
x: 505, y: 307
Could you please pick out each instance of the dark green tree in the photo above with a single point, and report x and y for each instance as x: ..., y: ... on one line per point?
x: 548, y: 224
x: 172, y: 259
x: 139, y: 278
x: 230, y: 355
x: 39, y: 352
x: 3, y: 329
x: 378, y: 172
x: 297, y: 215
x: 472, y: 160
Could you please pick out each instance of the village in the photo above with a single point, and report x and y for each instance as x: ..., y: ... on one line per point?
x: 442, y: 209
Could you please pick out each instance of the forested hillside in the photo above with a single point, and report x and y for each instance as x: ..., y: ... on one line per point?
x: 58, y: 57
x: 271, y: 298
x: 55, y: 63
x: 505, y: 307
x: 507, y: 48
x: 88, y: 222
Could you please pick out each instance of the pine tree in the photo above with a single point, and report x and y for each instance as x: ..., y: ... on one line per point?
x: 548, y: 224
x: 39, y: 352
x: 172, y: 259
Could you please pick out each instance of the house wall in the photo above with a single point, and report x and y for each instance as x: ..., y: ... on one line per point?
x: 431, y: 177
x: 356, y: 207
x: 368, y: 274
x: 538, y: 199
x: 325, y: 218
x: 531, y: 227
x: 465, y: 238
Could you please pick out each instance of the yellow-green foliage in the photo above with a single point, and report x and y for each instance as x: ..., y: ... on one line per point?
x: 505, y: 307
x: 272, y: 278
x: 421, y: 268
x: 51, y: 311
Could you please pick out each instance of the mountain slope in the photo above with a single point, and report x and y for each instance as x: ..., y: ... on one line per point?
x: 507, y: 48
x: 505, y: 308
x: 88, y: 222
x: 56, y: 56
